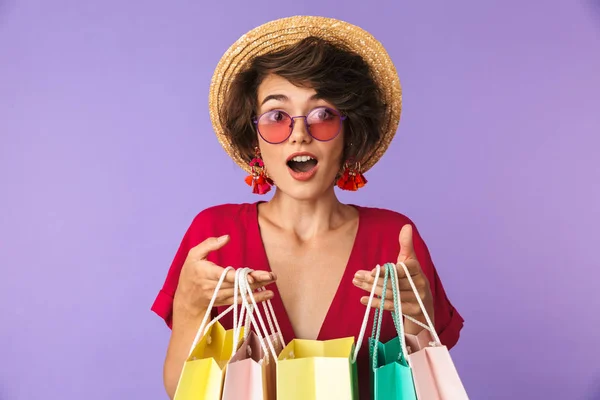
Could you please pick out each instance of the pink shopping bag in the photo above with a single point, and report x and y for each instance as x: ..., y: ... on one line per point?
x: 251, y: 372
x: 434, y: 373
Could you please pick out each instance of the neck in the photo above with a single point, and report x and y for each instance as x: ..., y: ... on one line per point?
x: 306, y: 218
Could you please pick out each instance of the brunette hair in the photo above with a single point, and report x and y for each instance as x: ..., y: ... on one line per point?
x: 338, y: 75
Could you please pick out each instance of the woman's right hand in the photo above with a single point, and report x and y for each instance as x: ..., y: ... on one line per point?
x: 199, y: 277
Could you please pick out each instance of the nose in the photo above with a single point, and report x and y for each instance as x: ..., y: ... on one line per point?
x: 299, y: 131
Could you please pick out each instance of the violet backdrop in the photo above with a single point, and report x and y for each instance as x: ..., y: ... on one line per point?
x: 107, y: 153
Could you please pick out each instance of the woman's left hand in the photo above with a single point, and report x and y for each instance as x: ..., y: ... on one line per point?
x: 410, y: 306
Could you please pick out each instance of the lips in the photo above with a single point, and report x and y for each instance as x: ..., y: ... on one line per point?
x: 302, y: 166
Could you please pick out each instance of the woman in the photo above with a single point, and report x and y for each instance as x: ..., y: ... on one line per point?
x: 305, y: 103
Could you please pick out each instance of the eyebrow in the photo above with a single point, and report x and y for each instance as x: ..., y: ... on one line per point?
x: 284, y: 98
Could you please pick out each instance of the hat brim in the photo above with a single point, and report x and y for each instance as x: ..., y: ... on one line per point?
x: 281, y: 33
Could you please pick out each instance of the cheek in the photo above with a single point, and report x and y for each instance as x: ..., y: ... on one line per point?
x: 269, y: 154
x: 338, y: 150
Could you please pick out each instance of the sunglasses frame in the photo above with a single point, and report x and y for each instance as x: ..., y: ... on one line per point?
x: 305, y: 117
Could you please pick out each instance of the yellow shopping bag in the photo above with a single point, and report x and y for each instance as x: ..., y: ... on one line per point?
x: 317, y: 370
x: 202, y: 375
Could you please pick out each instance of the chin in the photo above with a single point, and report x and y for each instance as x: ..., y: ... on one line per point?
x: 304, y: 191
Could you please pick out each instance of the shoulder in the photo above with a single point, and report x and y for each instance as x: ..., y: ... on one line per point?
x: 221, y: 217
x: 223, y: 213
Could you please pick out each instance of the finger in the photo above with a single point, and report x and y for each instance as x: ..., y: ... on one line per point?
x: 368, y: 286
x: 213, y: 273
x: 408, y: 308
x: 407, y: 250
x: 365, y: 276
x: 404, y: 284
x: 228, y: 284
x: 262, y: 276
x: 263, y: 296
x: 413, y: 266
x: 415, y: 271
x: 376, y: 303
x: 258, y: 297
x: 227, y: 293
x: 405, y: 295
x: 365, y: 281
x: 258, y: 285
x: 202, y: 250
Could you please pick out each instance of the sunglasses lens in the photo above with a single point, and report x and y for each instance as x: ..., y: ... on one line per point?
x: 274, y: 126
x: 324, y: 123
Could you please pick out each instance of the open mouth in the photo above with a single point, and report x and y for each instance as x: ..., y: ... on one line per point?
x: 302, y: 163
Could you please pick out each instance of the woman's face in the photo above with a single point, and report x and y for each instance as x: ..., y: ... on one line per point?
x: 301, y: 166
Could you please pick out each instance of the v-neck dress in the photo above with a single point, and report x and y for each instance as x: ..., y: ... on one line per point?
x: 376, y: 243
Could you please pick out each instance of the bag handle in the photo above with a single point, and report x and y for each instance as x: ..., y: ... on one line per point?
x: 245, y: 307
x: 430, y: 327
x: 395, y: 314
x: 252, y: 310
x: 378, y: 316
x: 237, y: 321
x: 272, y: 319
x: 363, y: 327
x: 201, y: 330
x: 269, y: 313
x: 245, y: 273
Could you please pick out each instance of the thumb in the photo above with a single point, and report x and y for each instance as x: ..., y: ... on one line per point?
x: 407, y: 250
x: 201, y: 251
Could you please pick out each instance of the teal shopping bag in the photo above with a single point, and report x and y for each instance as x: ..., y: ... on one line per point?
x: 391, y: 375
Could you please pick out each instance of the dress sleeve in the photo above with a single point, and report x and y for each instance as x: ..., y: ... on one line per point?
x: 163, y: 304
x: 448, y: 322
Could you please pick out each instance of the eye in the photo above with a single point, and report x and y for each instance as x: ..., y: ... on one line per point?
x: 275, y: 116
x: 322, y: 114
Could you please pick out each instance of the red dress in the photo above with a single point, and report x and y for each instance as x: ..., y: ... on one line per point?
x: 376, y: 243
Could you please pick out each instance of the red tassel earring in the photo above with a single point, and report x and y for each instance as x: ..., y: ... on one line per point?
x: 258, y: 178
x: 352, y: 178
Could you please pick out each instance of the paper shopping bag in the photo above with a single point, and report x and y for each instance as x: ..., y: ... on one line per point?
x: 435, y: 375
x: 270, y: 369
x: 317, y: 370
x: 418, y: 342
x: 244, y: 379
x: 251, y: 372
x: 275, y: 338
x: 391, y: 375
x: 202, y: 374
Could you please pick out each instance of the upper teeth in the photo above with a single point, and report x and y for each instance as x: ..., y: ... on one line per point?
x: 302, y: 158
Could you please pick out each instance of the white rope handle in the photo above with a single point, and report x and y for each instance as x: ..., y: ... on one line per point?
x: 272, y: 319
x: 241, y: 276
x: 237, y: 321
x: 211, y: 304
x: 365, y: 321
x: 417, y: 322
x: 398, y: 310
x: 416, y: 292
x: 248, y: 289
x: 216, y: 319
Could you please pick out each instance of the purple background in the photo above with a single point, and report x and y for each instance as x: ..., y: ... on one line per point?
x: 107, y: 153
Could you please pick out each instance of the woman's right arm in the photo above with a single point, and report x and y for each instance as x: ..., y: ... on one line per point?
x: 184, y: 329
x: 197, y: 282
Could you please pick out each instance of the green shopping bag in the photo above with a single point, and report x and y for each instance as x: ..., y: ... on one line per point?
x: 391, y: 375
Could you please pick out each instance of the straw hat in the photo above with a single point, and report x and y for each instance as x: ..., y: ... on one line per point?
x: 285, y: 32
